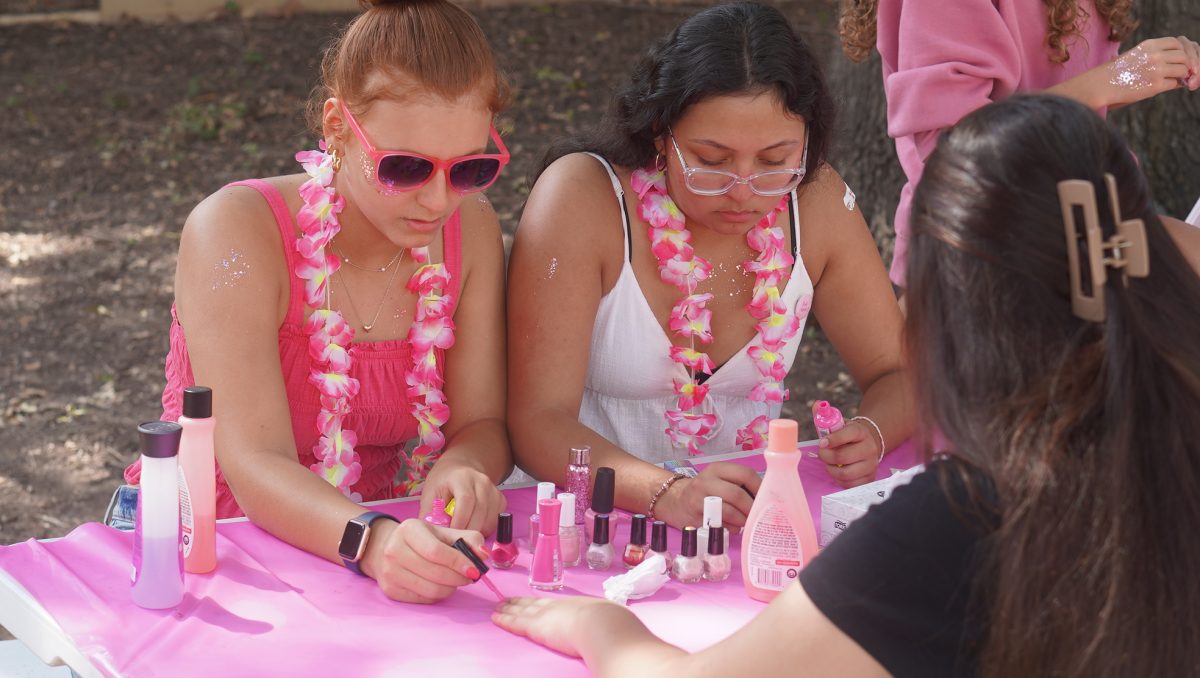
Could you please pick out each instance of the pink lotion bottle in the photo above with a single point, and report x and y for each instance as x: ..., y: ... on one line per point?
x: 546, y: 570
x: 198, y: 483
x: 779, y: 537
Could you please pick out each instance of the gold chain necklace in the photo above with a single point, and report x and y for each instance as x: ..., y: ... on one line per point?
x: 367, y: 327
x: 346, y: 259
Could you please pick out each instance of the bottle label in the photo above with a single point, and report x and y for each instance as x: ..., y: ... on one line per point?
x: 775, y: 555
x: 187, y: 523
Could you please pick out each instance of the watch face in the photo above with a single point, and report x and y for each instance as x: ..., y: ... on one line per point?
x: 352, y: 540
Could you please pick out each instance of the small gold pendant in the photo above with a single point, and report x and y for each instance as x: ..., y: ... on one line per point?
x: 368, y: 328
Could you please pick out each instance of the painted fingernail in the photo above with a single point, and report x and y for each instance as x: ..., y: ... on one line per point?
x: 471, y: 573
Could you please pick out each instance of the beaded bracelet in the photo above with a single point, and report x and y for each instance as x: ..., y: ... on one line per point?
x: 882, y: 444
x: 662, y: 489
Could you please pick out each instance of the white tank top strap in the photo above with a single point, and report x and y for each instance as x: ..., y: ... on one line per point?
x: 620, y: 192
x: 794, y: 215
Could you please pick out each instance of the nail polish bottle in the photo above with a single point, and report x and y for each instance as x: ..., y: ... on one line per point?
x: 602, y: 500
x: 658, y: 540
x: 544, y: 491
x: 716, y: 561
x: 504, y: 551
x: 600, y: 553
x: 568, y: 532
x: 686, y: 567
x: 437, y: 514
x: 713, y: 507
x: 579, y: 480
x: 635, y: 550
x: 546, y: 570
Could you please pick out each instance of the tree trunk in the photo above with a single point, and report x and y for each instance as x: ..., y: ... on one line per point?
x: 864, y: 154
x: 1165, y: 131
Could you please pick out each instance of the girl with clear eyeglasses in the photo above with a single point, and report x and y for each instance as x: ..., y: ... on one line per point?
x: 666, y: 264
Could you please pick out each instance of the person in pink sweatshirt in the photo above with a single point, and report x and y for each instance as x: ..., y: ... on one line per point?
x: 943, y: 60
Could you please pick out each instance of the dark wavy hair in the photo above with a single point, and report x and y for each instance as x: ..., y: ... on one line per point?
x: 738, y: 48
x: 1088, y: 431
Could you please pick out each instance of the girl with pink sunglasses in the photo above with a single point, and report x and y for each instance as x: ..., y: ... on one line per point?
x: 350, y: 317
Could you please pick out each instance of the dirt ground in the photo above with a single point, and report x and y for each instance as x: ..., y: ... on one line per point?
x: 114, y: 132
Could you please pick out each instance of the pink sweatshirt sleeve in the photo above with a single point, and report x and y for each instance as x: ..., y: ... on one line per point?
x: 941, y: 60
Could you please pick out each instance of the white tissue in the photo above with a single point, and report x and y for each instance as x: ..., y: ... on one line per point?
x: 644, y: 580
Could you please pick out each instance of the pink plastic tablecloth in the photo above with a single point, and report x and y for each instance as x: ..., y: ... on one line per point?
x: 275, y: 610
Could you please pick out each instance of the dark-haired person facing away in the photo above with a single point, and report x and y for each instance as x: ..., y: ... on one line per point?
x: 666, y: 263
x: 1052, y: 332
x: 344, y: 311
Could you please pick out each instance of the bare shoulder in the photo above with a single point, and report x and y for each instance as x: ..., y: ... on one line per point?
x: 482, y: 242
x: 234, y: 216
x: 574, y: 207
x: 231, y: 256
x: 830, y: 220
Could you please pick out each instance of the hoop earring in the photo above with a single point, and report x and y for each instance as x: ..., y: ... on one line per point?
x: 660, y: 162
x: 337, y: 160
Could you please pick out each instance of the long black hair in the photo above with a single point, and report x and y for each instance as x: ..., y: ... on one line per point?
x: 739, y: 48
x: 1088, y: 430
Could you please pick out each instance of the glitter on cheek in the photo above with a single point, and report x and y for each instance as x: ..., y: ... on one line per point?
x: 1132, y: 70
x: 553, y: 269
x: 230, y: 270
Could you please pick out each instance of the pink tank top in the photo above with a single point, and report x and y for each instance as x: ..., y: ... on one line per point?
x: 379, y: 413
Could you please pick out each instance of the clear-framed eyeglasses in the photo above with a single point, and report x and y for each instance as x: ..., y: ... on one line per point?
x: 717, y: 182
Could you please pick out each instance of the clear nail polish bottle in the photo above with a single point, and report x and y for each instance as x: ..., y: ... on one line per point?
x: 716, y: 561
x: 687, y: 567
x: 658, y: 540
x: 600, y: 554
x: 635, y: 550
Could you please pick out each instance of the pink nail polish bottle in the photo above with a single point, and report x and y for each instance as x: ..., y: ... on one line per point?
x: 546, y: 570
x: 437, y: 514
x: 827, y: 419
x: 687, y: 568
x: 504, y: 551
x: 635, y: 550
x: 716, y: 562
x: 658, y: 540
x: 602, y: 503
x: 600, y: 554
x: 544, y: 491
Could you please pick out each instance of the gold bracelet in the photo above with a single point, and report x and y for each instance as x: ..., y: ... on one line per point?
x: 882, y: 444
x: 662, y: 489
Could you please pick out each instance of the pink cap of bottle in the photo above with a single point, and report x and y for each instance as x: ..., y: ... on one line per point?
x: 548, y: 512
x: 782, y: 435
x: 828, y: 417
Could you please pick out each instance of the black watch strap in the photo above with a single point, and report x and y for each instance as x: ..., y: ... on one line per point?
x: 352, y: 528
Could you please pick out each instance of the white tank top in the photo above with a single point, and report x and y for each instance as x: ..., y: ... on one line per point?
x: 630, y: 371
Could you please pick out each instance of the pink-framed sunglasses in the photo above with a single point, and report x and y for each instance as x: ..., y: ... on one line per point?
x: 400, y: 171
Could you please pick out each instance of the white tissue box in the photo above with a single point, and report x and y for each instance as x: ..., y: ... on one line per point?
x: 840, y: 509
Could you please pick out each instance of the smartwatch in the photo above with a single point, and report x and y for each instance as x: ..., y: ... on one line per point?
x: 354, y: 539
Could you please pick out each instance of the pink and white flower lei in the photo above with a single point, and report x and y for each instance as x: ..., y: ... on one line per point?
x: 330, y: 337
x: 679, y: 265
